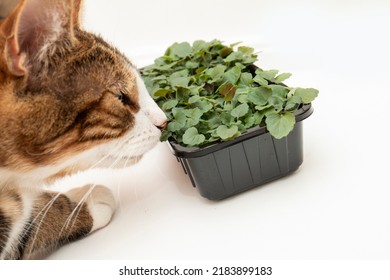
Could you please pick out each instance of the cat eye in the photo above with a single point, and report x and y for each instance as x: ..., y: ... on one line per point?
x: 125, y: 99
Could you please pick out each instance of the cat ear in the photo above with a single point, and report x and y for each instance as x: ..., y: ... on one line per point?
x: 32, y: 27
x: 76, y: 12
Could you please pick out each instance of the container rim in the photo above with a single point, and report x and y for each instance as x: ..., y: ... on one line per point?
x: 192, y: 152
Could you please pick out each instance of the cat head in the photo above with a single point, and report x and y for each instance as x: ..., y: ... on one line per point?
x: 68, y: 100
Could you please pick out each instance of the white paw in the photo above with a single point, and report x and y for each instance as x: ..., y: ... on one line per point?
x: 100, y: 202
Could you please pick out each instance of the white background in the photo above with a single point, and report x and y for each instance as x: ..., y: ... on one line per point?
x: 336, y: 206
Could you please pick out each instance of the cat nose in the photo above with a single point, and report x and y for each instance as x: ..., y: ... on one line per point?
x: 157, y: 117
x: 162, y: 126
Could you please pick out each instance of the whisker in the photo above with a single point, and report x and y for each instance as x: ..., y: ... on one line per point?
x: 75, y: 213
x: 120, y: 182
x: 43, y: 211
x: 72, y: 218
x: 76, y: 210
x: 118, y: 153
x: 112, y: 152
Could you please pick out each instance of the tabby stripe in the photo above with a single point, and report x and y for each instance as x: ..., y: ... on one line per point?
x: 5, y: 227
x: 79, y: 234
x: 24, y: 240
x: 80, y: 230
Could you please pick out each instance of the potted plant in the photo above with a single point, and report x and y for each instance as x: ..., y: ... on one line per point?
x: 232, y: 125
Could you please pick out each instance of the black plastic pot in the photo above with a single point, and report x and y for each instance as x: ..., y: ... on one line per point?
x: 252, y: 159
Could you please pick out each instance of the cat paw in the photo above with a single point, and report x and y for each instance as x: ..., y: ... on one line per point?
x: 100, y: 202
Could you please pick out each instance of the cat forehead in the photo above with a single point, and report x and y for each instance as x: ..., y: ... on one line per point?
x: 91, y: 62
x: 119, y: 59
x: 92, y: 40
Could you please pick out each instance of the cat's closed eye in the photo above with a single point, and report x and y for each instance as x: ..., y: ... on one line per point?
x: 126, y: 100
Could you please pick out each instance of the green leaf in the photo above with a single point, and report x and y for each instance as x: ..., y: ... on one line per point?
x: 293, y: 103
x: 280, y: 78
x: 179, y: 78
x: 253, y: 120
x: 192, y: 65
x: 195, y: 90
x: 240, y: 111
x: 260, y: 80
x: 192, y: 138
x: 264, y: 107
x: 307, y: 94
x: 245, y: 50
x: 180, y: 49
x: 246, y: 79
x: 193, y: 99
x: 214, y: 121
x: 267, y: 74
x: 200, y: 70
x: 226, y: 133
x: 280, y: 125
x: 204, y: 105
x: 193, y: 116
x: 225, y: 52
x: 199, y: 45
x: 169, y: 104
x: 234, y: 56
x: 159, y: 78
x: 228, y: 106
x: 178, y: 122
x: 161, y: 92
x: 259, y: 95
x: 276, y: 102
x: 226, y: 118
x: 217, y: 72
x: 279, y: 91
x: 232, y: 75
x: 242, y: 98
x: 165, y: 135
x: 179, y: 81
x: 249, y: 59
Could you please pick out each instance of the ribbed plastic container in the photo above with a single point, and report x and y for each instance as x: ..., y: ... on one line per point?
x: 255, y: 158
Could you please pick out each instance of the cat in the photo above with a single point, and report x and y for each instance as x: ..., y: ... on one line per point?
x: 69, y: 101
